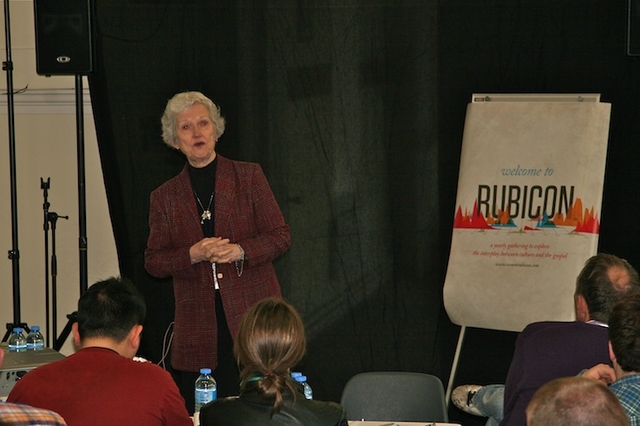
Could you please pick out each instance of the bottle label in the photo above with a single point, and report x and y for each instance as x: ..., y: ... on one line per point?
x: 35, y: 345
x: 17, y: 342
x: 205, y: 395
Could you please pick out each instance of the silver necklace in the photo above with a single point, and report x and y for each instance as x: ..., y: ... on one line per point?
x: 206, y: 213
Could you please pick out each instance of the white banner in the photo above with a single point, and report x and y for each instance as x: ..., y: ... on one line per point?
x: 527, y: 208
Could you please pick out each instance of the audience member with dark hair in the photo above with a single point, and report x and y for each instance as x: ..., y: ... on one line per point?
x: 269, y: 344
x: 551, y: 349
x: 624, y: 348
x: 101, y: 384
x: 575, y: 401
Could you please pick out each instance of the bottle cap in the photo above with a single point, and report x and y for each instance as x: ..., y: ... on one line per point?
x: 205, y: 371
x: 301, y: 378
x: 17, y: 329
x: 295, y: 374
x: 35, y: 328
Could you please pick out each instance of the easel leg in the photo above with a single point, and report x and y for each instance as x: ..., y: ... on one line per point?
x: 454, y: 367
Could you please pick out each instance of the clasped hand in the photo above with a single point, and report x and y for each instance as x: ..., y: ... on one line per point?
x: 215, y: 250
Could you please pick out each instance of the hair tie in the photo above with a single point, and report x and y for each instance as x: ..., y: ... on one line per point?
x: 257, y: 378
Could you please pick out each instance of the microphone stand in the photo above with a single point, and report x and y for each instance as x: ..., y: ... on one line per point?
x: 45, y: 207
x: 53, y: 217
x: 50, y: 218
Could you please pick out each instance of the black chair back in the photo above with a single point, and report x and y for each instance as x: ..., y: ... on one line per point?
x: 395, y: 396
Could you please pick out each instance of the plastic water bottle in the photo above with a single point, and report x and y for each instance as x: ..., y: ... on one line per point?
x: 35, y: 339
x: 308, y: 392
x: 206, y: 388
x: 17, y: 341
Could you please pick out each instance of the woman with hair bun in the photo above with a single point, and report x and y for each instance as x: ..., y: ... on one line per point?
x: 269, y: 344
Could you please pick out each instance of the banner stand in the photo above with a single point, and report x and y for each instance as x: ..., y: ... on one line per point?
x: 528, y: 209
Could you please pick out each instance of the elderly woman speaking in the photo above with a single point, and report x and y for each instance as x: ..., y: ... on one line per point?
x: 215, y: 228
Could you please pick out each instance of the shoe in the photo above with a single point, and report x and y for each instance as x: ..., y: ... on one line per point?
x: 462, y: 397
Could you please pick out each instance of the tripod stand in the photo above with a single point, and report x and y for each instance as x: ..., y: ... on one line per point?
x: 82, y: 210
x: 14, y: 253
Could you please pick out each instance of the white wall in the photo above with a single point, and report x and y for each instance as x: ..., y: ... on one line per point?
x: 46, y: 147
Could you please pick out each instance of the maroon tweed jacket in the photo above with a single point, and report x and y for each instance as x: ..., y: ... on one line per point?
x: 247, y: 213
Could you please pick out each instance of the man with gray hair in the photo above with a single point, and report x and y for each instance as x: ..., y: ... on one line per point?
x: 551, y: 349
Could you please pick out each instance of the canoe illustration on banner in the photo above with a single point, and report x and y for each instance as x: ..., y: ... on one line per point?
x: 483, y: 216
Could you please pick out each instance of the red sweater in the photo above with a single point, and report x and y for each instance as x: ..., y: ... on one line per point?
x: 97, y: 386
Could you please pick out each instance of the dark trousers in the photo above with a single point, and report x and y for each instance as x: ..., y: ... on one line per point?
x: 226, y: 372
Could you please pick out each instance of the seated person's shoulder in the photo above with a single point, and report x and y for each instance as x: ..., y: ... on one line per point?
x: 566, y: 338
x: 323, y: 412
x: 219, y: 409
x: 553, y: 327
x: 327, y: 406
x: 234, y: 410
x: 147, y: 368
x: 143, y: 363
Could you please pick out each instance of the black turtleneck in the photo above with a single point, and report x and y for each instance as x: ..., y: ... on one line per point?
x: 203, y: 182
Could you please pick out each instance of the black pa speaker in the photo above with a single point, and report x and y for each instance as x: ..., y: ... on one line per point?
x: 64, y: 37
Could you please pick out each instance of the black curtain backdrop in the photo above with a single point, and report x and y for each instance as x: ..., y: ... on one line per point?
x: 355, y: 110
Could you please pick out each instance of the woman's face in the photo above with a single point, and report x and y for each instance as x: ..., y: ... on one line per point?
x: 196, y: 135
